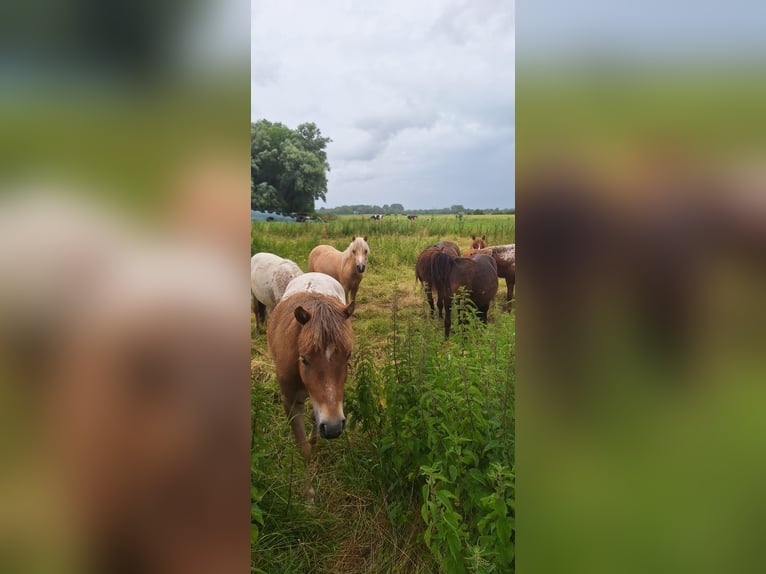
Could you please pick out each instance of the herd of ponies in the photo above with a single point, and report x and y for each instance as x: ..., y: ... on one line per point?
x: 309, y: 330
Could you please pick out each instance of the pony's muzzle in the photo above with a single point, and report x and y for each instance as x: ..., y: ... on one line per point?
x: 332, y: 429
x: 360, y: 267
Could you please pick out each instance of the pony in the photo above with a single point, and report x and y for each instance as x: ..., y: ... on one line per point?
x: 347, y: 267
x: 423, y: 269
x: 310, y: 339
x: 476, y: 273
x: 478, y: 242
x: 505, y: 257
x: 316, y: 283
x: 269, y: 277
x: 412, y: 217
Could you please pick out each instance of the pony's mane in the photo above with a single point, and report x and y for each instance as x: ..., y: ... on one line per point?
x: 484, y: 251
x: 327, y: 326
x: 357, y: 241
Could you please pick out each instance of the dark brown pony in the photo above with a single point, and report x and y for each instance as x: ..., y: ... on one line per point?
x: 423, y: 269
x: 476, y: 273
x: 310, y: 339
x: 505, y: 257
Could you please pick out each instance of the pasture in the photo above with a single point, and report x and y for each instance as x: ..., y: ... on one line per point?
x: 422, y: 479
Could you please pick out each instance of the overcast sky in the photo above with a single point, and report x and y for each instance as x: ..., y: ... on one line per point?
x: 418, y: 97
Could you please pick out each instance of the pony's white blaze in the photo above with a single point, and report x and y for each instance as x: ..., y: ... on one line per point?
x: 359, y: 250
x: 320, y: 411
x: 329, y: 351
x: 316, y: 283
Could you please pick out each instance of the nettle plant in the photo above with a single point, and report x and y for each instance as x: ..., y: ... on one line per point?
x: 441, y: 416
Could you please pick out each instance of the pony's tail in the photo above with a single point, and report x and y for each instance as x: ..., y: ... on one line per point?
x: 441, y: 266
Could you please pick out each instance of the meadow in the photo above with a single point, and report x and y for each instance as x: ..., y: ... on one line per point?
x: 423, y: 478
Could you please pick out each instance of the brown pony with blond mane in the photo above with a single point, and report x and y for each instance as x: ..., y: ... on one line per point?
x: 346, y: 266
x: 310, y: 339
x: 423, y: 269
x: 476, y: 273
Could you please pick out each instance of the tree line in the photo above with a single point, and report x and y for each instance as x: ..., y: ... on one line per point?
x: 398, y: 208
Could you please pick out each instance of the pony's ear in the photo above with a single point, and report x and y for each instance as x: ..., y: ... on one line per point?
x: 365, y: 238
x: 353, y: 238
x: 349, y: 310
x: 473, y: 237
x: 483, y: 237
x: 302, y: 315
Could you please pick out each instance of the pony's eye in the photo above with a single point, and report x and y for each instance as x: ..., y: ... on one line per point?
x: 304, y: 360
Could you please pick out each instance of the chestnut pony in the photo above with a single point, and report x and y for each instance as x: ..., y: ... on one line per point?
x: 476, y: 273
x: 346, y: 266
x: 423, y: 269
x: 478, y: 242
x: 310, y: 338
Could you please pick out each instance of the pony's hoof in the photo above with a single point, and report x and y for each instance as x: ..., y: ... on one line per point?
x: 310, y: 496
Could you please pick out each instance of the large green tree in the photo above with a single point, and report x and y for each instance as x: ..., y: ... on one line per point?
x: 288, y: 168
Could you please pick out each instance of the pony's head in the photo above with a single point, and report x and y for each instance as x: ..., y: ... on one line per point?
x: 359, y: 251
x: 478, y: 242
x: 324, y: 348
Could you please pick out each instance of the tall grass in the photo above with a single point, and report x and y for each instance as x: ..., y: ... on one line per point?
x: 441, y: 418
x: 399, y: 239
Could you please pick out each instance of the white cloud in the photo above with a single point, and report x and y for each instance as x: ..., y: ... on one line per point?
x: 408, y: 91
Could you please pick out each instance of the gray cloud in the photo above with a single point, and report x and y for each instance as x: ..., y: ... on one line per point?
x: 264, y: 73
x: 418, y: 98
x: 472, y: 20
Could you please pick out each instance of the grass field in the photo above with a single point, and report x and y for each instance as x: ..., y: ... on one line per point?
x: 422, y: 480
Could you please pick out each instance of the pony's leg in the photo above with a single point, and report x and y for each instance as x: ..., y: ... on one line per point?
x: 510, y: 283
x: 252, y: 308
x: 313, y: 435
x: 430, y: 297
x: 353, y: 288
x: 294, y: 411
x: 447, y: 315
x: 260, y: 316
x: 440, y: 305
